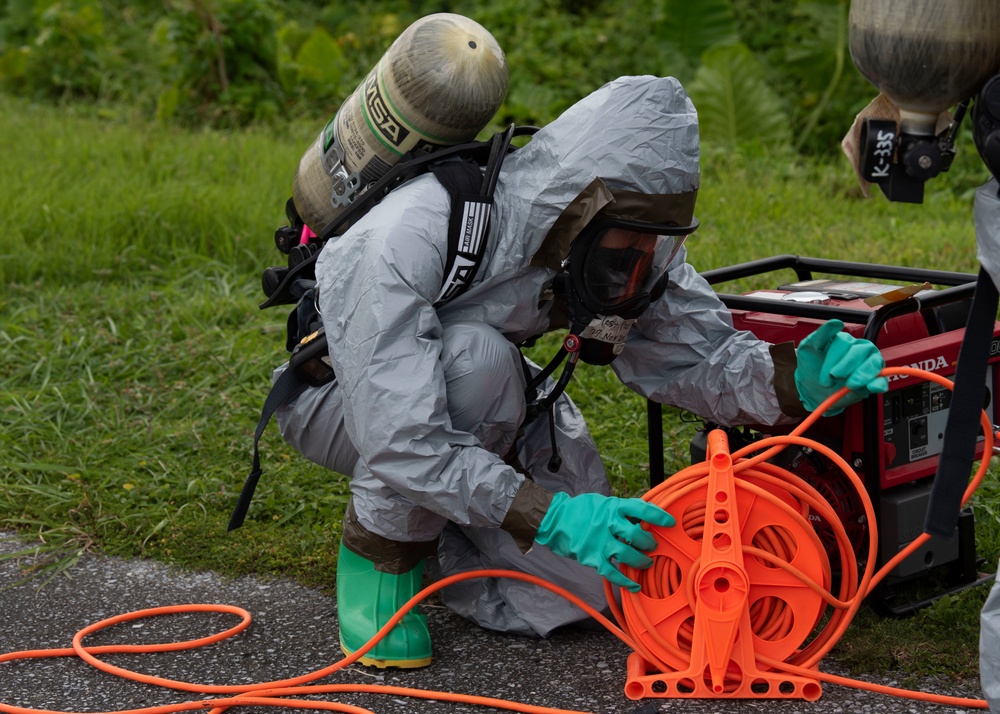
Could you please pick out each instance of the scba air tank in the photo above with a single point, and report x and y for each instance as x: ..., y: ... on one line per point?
x: 925, y: 55
x: 437, y: 85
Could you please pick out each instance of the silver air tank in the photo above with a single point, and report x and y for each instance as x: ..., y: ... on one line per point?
x: 437, y: 85
x: 925, y: 55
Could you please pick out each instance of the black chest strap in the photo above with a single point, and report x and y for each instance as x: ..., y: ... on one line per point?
x: 286, y: 388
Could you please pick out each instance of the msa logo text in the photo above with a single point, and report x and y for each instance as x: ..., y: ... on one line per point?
x: 380, y: 116
x: 932, y: 364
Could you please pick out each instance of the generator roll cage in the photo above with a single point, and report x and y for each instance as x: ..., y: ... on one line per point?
x: 963, y: 286
x: 942, y: 310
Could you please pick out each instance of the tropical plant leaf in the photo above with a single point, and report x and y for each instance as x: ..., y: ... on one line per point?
x: 818, y: 36
x: 817, y: 57
x: 733, y: 99
x: 320, y: 61
x: 693, y: 27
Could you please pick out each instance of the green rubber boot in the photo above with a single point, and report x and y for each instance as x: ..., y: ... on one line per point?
x: 366, y: 599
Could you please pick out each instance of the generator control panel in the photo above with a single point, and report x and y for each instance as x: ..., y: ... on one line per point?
x: 914, y: 420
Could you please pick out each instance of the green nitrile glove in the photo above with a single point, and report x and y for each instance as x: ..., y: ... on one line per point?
x: 592, y: 529
x: 829, y: 359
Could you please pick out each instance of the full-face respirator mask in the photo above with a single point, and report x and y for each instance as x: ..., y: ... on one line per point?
x: 615, y: 270
x: 616, y: 267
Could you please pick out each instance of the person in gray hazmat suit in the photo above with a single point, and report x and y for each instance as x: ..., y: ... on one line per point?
x: 426, y: 411
x: 986, y: 211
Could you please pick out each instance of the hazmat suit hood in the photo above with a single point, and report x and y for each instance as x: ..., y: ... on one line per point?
x: 635, y: 135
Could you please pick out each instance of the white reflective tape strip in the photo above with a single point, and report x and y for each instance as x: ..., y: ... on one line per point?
x: 475, y: 220
x: 475, y: 223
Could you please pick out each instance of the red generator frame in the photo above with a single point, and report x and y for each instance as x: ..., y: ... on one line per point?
x: 892, y: 440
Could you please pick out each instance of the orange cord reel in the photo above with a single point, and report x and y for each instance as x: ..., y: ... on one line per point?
x: 738, y: 587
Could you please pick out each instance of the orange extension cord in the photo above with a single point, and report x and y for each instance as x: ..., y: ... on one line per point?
x: 770, y: 547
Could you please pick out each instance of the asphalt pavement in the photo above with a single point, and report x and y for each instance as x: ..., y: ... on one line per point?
x: 294, y: 632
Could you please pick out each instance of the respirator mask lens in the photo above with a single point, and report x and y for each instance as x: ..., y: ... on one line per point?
x: 618, y: 266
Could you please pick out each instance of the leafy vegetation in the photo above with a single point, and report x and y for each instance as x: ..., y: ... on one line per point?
x: 776, y: 72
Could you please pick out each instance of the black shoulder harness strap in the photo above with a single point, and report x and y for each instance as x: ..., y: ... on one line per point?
x: 471, y: 190
x: 471, y: 204
x: 962, y: 426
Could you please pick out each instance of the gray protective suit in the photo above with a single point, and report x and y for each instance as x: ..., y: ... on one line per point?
x: 987, y: 216
x: 427, y: 402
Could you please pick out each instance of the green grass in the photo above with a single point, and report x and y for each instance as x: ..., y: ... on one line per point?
x: 134, y: 359
x: 126, y: 413
x: 96, y: 196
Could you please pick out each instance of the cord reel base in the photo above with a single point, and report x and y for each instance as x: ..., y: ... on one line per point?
x: 694, y: 610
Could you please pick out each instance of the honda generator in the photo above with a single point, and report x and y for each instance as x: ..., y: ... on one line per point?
x: 893, y: 440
